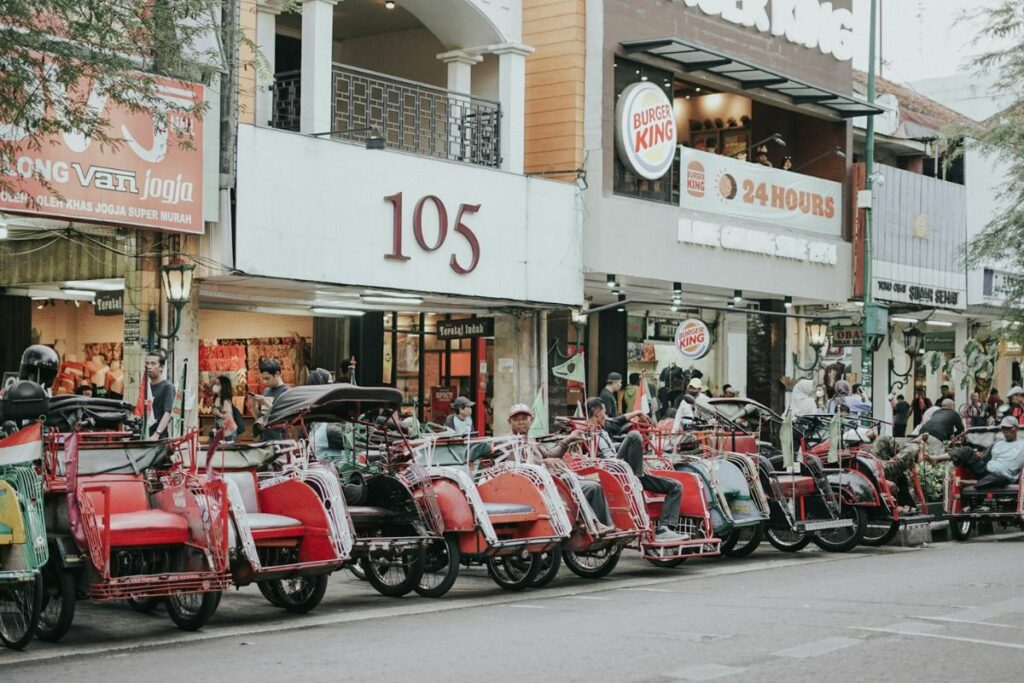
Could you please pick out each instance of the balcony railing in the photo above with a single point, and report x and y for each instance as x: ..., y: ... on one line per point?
x: 409, y: 116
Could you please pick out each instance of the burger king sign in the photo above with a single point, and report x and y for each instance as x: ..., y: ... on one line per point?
x: 645, y: 131
x: 693, y: 339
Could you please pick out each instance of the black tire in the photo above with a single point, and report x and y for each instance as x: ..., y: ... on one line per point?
x: 19, y: 611
x: 878, y: 534
x: 269, y: 591
x: 787, y: 541
x: 843, y: 539
x: 393, y: 578
x: 356, y: 568
x: 441, y: 567
x: 191, y: 611
x: 512, y: 572
x: 549, y: 563
x: 299, y: 595
x: 666, y: 563
x: 743, y: 542
x: 592, y: 565
x: 960, y: 528
x: 144, y: 605
x: 58, y: 607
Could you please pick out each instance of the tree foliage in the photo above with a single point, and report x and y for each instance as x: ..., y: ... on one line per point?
x: 1001, y: 139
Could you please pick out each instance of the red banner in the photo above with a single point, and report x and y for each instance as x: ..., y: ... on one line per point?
x: 148, y: 181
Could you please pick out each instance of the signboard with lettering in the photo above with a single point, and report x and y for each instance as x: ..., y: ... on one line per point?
x: 132, y: 328
x: 940, y: 341
x: 693, y: 339
x: 846, y: 336
x: 149, y: 180
x: 729, y: 187
x: 108, y: 303
x: 462, y: 329
x: 645, y: 130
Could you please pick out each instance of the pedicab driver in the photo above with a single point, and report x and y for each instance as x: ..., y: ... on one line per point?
x: 520, y: 418
x: 631, y: 450
x: 1000, y: 464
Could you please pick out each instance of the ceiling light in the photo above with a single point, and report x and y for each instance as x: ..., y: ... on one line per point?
x: 112, y: 285
x: 898, y: 319
x: 86, y: 293
x: 787, y: 302
x: 3, y: 233
x: 345, y: 312
x: 390, y: 4
x: 677, y: 288
x: 610, y: 281
x: 687, y: 97
x: 413, y: 301
x: 938, y: 323
x: 737, y: 295
x: 379, y: 292
x: 697, y: 89
x: 675, y: 308
x: 622, y: 303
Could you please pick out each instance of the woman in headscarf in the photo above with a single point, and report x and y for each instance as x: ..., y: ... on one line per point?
x: 802, y: 399
x: 842, y: 389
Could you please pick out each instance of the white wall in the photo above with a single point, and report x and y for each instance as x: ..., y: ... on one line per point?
x: 406, y: 54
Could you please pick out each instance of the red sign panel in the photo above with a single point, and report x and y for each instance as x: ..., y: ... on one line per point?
x: 149, y: 181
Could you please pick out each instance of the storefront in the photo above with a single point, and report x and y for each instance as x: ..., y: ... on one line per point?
x: 721, y: 195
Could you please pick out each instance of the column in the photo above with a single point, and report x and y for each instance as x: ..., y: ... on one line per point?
x: 183, y: 371
x: 960, y: 336
x: 266, y: 38
x: 141, y: 295
x: 316, y: 81
x: 460, y: 82
x: 879, y: 392
x: 517, y: 375
x: 512, y: 95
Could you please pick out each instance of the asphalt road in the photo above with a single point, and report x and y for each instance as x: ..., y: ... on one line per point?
x: 946, y: 612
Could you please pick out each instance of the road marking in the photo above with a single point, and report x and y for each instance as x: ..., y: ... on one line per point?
x: 911, y: 627
x: 584, y: 597
x: 647, y: 590
x: 525, y: 606
x: 970, y: 622
x: 818, y: 647
x: 939, y: 636
x: 705, y: 672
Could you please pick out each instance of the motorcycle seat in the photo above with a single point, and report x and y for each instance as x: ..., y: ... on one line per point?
x: 793, y: 485
x: 146, y: 527
x: 366, y: 514
x: 1009, y: 489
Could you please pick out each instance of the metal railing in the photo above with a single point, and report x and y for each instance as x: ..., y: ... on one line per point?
x: 409, y: 116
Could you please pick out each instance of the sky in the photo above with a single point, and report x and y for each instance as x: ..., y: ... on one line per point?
x: 919, y: 38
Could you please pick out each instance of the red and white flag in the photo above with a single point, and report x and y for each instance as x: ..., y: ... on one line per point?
x: 642, y: 400
x: 23, y: 446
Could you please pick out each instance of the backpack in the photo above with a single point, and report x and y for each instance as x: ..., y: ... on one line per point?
x: 236, y: 414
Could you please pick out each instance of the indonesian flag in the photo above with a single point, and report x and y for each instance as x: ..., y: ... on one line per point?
x: 22, y: 446
x: 642, y: 400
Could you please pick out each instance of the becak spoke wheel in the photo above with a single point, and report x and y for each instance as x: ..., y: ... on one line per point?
x: 960, y: 529
x: 269, y: 591
x: 879, y: 532
x: 844, y: 538
x: 549, y: 563
x: 666, y: 563
x: 395, y: 577
x: 513, y: 572
x: 19, y: 611
x: 441, y: 567
x: 191, y: 611
x: 300, y: 594
x: 592, y: 565
x: 58, y: 606
x: 143, y: 605
x: 356, y: 568
x: 787, y: 540
x: 743, y: 542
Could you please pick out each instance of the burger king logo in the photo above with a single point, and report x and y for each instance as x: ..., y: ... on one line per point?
x: 693, y: 339
x: 695, y: 179
x: 645, y: 134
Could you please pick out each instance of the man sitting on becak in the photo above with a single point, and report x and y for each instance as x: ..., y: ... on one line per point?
x: 520, y: 418
x: 631, y: 450
x: 1000, y: 464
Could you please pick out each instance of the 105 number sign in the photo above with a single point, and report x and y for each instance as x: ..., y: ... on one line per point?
x: 459, y: 228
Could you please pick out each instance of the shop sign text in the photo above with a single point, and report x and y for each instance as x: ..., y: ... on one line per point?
x: 460, y: 229
x: 693, y: 339
x: 645, y: 130
x: 108, y: 303
x: 809, y: 23
x: 918, y: 294
x: 846, y: 336
x: 464, y: 329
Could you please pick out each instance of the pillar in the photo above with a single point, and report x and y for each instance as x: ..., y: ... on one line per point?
x: 960, y: 336
x: 366, y: 343
x: 766, y: 354
x: 881, y: 408
x: 316, y: 82
x: 460, y: 82
x: 518, y: 370
x: 511, y: 95
x: 183, y: 370
x: 141, y: 295
x: 16, y: 332
x: 266, y: 39
x: 610, y: 350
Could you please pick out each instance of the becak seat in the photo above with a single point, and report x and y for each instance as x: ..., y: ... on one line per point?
x: 132, y: 521
x: 264, y: 526
x: 796, y: 485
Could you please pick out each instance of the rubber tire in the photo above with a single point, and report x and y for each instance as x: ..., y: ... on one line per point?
x: 269, y: 591
x: 311, y: 600
x: 454, y: 555
x: 196, y: 620
x: 960, y: 529
x: 64, y: 583
x: 516, y: 584
x: 731, y: 546
x: 550, y: 562
x: 571, y: 561
x: 144, y: 605
x: 407, y: 585
x: 356, y: 569
x: 785, y: 546
x: 20, y: 640
x: 666, y: 564
x: 859, y: 523
x: 882, y: 539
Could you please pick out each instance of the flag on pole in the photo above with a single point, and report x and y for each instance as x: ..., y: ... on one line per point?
x: 579, y: 410
x: 835, y: 431
x: 540, y: 414
x: 571, y: 369
x: 786, y: 439
x: 23, y: 446
x: 642, y: 402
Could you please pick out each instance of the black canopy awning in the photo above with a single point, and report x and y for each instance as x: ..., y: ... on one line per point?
x: 692, y: 57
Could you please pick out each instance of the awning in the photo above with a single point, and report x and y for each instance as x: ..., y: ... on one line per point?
x: 694, y: 57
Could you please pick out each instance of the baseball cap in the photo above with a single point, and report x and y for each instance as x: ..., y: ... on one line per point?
x: 1014, y: 391
x: 696, y: 383
x: 1009, y: 422
x: 520, y: 409
x: 462, y: 402
x: 614, y: 377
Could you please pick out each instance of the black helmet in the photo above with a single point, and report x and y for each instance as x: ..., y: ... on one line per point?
x: 39, y: 364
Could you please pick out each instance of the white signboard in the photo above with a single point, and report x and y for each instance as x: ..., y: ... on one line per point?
x: 729, y: 187
x: 693, y: 339
x: 323, y: 211
x: 645, y: 130
x: 810, y: 23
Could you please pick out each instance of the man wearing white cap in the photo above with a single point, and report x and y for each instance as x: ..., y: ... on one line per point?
x: 999, y: 465
x: 520, y: 419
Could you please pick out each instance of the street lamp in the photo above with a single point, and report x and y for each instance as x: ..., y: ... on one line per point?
x: 913, y: 340
x: 817, y: 337
x: 176, y: 276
